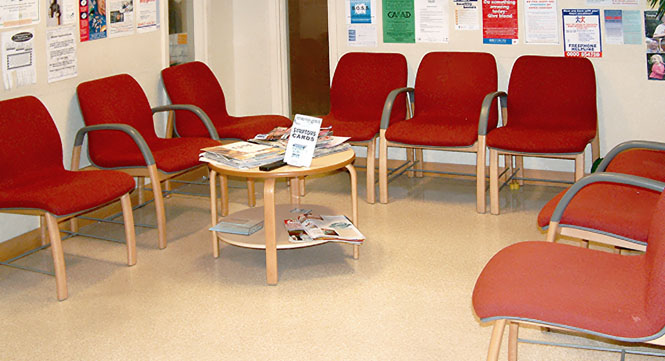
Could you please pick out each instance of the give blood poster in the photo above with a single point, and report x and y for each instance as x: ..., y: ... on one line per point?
x: 499, y: 21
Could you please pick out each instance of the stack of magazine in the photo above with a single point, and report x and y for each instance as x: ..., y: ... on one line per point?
x: 326, y: 143
x: 238, y: 226
x: 242, y: 154
x: 309, y: 227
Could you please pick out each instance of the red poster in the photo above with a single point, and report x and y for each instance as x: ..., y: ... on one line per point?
x: 499, y: 21
x: 83, y: 20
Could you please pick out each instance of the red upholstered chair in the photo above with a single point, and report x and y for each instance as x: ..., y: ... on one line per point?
x: 619, y: 297
x: 34, y: 181
x: 545, y: 114
x: 610, y: 213
x: 360, y: 85
x: 122, y: 136
x: 194, y: 83
x: 448, y: 98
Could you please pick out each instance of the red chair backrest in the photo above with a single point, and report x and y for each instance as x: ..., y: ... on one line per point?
x: 453, y: 84
x: 655, y: 265
x: 361, y: 84
x: 552, y: 92
x: 31, y: 144
x: 117, y: 99
x: 194, y: 83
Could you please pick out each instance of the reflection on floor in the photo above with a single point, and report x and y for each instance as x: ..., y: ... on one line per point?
x: 408, y: 297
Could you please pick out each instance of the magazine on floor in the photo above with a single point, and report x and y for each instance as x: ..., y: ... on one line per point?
x: 308, y: 227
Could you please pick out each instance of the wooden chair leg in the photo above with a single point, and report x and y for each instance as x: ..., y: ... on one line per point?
x: 58, y: 256
x: 130, y: 233
x: 410, y: 157
x: 419, y: 161
x: 519, y: 164
x: 159, y: 206
x: 140, y: 189
x: 251, y: 194
x: 579, y: 166
x: 595, y: 148
x: 495, y: 341
x: 42, y: 231
x: 371, y: 153
x: 480, y: 175
x: 494, y: 181
x: 513, y: 330
x: 552, y: 231
x: 383, y: 167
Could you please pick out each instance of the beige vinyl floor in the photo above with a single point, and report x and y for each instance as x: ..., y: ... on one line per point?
x: 408, y: 297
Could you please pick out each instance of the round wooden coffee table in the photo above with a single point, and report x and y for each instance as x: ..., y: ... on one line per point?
x: 273, y: 236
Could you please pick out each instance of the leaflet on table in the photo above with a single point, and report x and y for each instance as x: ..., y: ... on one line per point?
x: 302, y: 140
x: 307, y: 227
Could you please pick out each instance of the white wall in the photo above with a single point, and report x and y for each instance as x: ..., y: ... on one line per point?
x: 628, y: 104
x: 140, y: 55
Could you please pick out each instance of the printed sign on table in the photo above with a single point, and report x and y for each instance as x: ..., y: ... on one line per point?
x: 302, y: 140
x: 581, y: 33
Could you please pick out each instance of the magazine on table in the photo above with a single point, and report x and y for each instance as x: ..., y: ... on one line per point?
x: 238, y: 226
x: 308, y: 227
x: 241, y: 154
x: 326, y: 143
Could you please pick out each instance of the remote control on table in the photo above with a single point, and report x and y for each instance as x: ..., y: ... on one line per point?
x: 274, y: 165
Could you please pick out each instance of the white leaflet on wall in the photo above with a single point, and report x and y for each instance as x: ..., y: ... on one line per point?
x: 360, y: 11
x: 540, y: 22
x: 61, y: 53
x: 18, y: 58
x: 466, y: 15
x: 18, y: 13
x: 361, y: 35
x: 612, y: 2
x: 61, y: 12
x: 120, y: 15
x: 146, y: 15
x: 431, y: 18
x: 302, y: 140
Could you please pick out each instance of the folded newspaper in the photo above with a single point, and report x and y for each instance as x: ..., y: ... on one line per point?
x: 241, y: 154
x: 308, y: 227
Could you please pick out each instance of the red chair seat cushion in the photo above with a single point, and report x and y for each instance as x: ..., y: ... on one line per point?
x: 65, y: 192
x: 618, y: 209
x: 357, y: 129
x: 434, y: 130
x: 543, y: 141
x: 247, y: 127
x: 171, y: 155
x: 640, y: 162
x: 567, y: 285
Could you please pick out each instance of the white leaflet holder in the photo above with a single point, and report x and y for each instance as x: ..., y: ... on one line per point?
x: 302, y: 140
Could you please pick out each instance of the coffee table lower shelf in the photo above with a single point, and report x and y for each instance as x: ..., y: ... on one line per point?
x: 257, y: 240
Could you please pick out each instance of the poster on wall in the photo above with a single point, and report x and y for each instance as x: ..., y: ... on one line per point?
x: 61, y: 12
x: 146, y: 15
x: 398, y: 21
x: 360, y: 11
x: 61, y: 53
x: 361, y: 23
x: 540, y: 24
x: 632, y: 26
x: 466, y: 15
x: 18, y: 12
x: 431, y: 21
x: 654, y: 28
x: 92, y: 19
x: 18, y: 58
x: 499, y: 21
x: 613, y: 26
x: 581, y: 33
x: 120, y: 18
x: 612, y: 2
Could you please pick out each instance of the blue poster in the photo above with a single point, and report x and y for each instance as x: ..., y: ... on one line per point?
x: 361, y: 11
